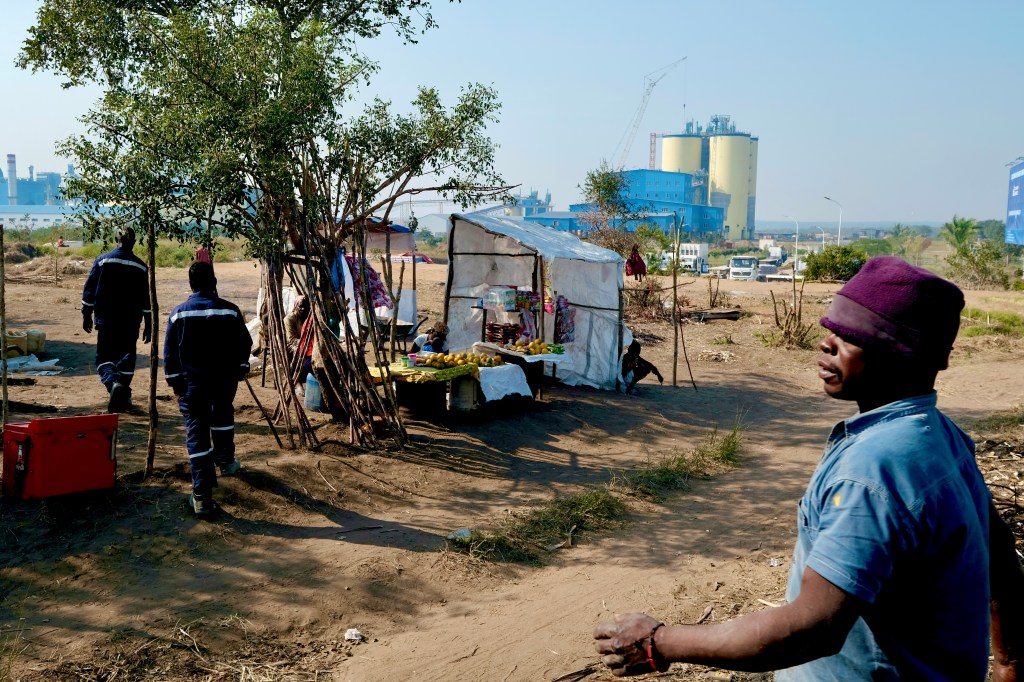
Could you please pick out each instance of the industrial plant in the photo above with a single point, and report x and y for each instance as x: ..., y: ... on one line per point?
x: 723, y: 164
x: 707, y: 184
x: 42, y: 189
x: 34, y: 201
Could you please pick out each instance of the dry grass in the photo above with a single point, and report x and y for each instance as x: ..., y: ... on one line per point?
x: 527, y: 537
x: 674, y: 472
x: 181, y: 655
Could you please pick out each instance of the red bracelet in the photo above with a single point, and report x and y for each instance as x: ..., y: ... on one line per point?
x: 649, y: 648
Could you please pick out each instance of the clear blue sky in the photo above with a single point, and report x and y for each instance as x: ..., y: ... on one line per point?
x: 902, y: 111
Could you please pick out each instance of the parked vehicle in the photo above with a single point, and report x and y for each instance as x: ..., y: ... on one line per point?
x: 694, y: 257
x: 743, y: 268
x: 764, y: 269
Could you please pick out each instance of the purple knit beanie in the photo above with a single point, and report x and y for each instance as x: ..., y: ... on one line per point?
x: 893, y: 306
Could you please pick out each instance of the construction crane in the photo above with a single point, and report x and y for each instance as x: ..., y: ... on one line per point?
x: 650, y: 80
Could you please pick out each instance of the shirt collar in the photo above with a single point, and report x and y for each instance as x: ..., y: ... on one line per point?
x: 865, y: 420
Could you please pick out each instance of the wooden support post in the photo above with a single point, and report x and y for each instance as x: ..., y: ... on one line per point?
x: 3, y: 326
x: 154, y: 347
x: 675, y: 297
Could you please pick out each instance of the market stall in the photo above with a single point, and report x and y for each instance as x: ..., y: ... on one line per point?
x: 507, y: 278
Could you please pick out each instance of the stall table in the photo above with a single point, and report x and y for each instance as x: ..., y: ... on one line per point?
x: 427, y: 385
x: 423, y: 388
x: 532, y: 365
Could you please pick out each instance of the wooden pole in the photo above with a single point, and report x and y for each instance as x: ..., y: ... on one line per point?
x: 270, y: 422
x: 154, y: 348
x: 3, y: 326
x: 675, y: 297
x: 617, y: 358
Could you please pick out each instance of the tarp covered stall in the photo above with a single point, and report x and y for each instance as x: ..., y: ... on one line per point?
x: 385, y: 241
x: 485, y: 251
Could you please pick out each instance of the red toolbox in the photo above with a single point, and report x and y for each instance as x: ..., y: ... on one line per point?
x: 47, y: 457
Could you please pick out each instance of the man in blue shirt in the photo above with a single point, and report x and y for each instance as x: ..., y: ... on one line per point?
x: 206, y: 354
x: 116, y: 293
x: 901, y: 564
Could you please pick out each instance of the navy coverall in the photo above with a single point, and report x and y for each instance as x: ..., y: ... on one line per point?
x: 117, y: 294
x: 206, y: 354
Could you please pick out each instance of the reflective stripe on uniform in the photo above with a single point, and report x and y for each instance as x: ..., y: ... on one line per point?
x: 123, y: 261
x: 172, y: 376
x: 200, y: 454
x: 104, y: 363
x: 202, y: 313
x: 222, y: 428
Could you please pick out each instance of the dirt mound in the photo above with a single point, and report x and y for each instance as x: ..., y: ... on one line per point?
x: 42, y: 268
x: 20, y: 252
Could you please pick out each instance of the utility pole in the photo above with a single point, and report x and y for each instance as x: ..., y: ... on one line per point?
x: 675, y: 295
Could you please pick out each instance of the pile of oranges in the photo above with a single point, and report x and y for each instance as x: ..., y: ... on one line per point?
x: 444, y: 361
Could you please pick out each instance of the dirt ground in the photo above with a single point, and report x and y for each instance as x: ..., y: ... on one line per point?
x: 126, y: 585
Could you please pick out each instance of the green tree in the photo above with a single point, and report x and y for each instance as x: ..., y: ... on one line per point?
x: 606, y: 190
x: 913, y: 247
x: 898, y: 238
x: 959, y: 232
x: 992, y: 230
x: 835, y: 262
x: 876, y: 247
x: 979, y: 266
x: 230, y: 116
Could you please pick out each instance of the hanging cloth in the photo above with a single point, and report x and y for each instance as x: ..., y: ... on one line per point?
x: 378, y: 293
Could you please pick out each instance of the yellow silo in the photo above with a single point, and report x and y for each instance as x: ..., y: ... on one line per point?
x: 680, y: 153
x: 729, y: 157
x: 752, y: 186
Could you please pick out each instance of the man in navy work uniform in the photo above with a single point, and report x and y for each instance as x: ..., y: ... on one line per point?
x: 902, y: 566
x: 117, y: 294
x: 206, y: 354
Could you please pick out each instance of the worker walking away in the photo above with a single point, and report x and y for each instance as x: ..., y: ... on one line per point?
x: 206, y: 354
x: 116, y: 300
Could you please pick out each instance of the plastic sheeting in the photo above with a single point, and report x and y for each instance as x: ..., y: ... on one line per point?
x: 499, y: 382
x: 487, y: 251
x: 400, y: 240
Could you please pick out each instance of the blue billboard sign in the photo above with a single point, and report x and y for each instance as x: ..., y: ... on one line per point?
x: 1014, y: 206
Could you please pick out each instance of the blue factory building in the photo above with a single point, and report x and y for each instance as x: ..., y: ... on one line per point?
x: 657, y: 197
x: 43, y: 189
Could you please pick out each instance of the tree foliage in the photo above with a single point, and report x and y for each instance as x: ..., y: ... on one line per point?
x: 979, y: 266
x: 606, y: 190
x: 959, y: 232
x: 835, y: 262
x: 876, y: 247
x: 992, y: 230
x: 230, y: 114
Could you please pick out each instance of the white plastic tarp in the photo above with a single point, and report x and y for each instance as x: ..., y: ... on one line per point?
x: 377, y: 244
x: 489, y: 251
x: 288, y: 296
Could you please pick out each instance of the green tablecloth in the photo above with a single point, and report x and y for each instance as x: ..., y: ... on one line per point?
x: 423, y: 374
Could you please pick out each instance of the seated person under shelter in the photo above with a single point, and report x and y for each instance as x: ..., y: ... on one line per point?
x: 436, y: 343
x: 436, y: 338
x: 295, y: 325
x: 635, y: 368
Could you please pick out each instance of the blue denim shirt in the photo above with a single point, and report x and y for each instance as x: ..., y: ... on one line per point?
x: 896, y: 514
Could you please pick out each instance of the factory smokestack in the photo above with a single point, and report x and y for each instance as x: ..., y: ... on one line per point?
x: 12, y: 180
